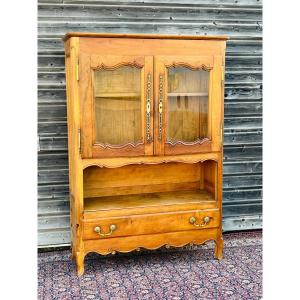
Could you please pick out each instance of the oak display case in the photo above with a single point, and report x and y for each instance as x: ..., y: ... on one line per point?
x: 145, y: 141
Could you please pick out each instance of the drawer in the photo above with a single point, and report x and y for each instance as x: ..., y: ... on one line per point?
x: 149, y: 224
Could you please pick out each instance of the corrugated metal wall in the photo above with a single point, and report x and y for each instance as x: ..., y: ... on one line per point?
x: 240, y: 19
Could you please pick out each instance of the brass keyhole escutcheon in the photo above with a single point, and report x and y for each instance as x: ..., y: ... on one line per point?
x: 160, y: 108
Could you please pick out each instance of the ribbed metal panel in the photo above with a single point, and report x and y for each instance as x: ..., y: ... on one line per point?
x: 239, y: 19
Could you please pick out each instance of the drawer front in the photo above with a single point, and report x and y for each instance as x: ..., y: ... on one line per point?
x: 150, y: 224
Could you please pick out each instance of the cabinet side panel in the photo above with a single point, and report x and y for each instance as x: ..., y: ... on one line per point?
x: 75, y: 170
x: 216, y: 103
x: 210, y: 177
x: 70, y: 137
x: 221, y: 156
x: 69, y: 107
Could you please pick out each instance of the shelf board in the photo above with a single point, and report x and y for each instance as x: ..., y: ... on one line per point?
x: 159, y: 200
x: 118, y: 95
x: 137, y: 95
x: 187, y: 94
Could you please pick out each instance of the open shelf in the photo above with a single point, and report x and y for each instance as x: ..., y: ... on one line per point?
x: 187, y: 94
x: 147, y: 200
x: 150, y: 188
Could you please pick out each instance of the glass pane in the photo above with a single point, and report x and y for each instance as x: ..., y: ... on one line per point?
x: 187, y: 104
x: 118, y: 106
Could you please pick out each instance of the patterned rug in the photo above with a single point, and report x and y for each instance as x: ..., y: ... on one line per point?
x: 185, y: 273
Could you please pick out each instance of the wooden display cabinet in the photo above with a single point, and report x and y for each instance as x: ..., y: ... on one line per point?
x: 145, y: 128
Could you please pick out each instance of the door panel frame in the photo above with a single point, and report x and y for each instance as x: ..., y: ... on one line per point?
x: 90, y: 63
x: 213, y: 64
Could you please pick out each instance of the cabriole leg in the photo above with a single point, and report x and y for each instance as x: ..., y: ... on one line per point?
x: 80, y: 263
x: 219, y: 248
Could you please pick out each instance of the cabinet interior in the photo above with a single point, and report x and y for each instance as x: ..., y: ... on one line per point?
x: 149, y: 185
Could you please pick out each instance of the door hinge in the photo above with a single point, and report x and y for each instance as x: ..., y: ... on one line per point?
x: 221, y: 136
x: 79, y: 140
x: 223, y: 76
x: 77, y: 70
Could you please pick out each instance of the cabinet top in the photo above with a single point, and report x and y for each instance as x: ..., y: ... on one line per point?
x: 144, y: 36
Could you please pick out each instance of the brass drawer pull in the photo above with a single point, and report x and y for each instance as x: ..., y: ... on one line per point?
x: 193, y: 221
x: 112, y: 228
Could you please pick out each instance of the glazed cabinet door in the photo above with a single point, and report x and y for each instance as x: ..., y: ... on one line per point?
x: 188, y: 104
x: 116, y: 104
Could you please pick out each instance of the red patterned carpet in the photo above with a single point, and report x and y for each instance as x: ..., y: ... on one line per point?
x: 185, y: 273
